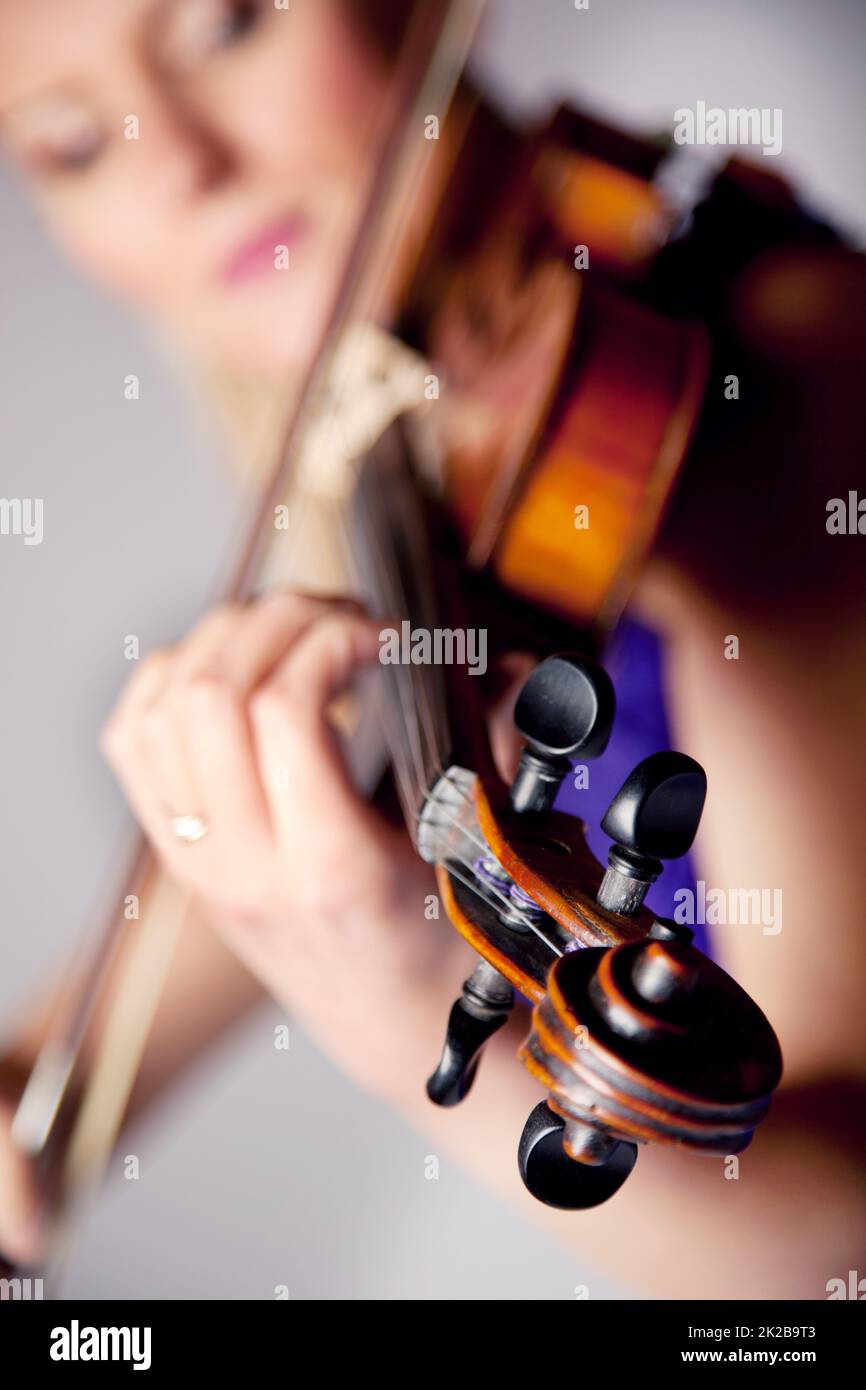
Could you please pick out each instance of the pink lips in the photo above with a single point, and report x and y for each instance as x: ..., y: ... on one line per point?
x: 259, y: 255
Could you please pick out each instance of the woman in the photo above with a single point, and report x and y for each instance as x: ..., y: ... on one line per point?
x: 253, y: 130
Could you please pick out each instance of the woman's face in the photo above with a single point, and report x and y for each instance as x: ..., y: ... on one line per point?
x: 205, y: 160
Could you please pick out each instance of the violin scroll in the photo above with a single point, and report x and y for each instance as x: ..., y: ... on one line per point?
x: 636, y: 1036
x: 649, y: 1042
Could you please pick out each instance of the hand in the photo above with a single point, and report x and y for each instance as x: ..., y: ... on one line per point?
x: 321, y: 898
x: 20, y: 1227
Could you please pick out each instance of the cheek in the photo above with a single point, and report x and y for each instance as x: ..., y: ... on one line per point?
x: 107, y: 237
x: 310, y: 102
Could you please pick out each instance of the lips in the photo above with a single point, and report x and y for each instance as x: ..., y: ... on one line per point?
x: 258, y: 255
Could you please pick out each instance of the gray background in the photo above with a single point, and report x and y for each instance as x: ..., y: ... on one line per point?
x: 267, y: 1168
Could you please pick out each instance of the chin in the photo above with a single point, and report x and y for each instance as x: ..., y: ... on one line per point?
x: 280, y: 334
x: 260, y: 360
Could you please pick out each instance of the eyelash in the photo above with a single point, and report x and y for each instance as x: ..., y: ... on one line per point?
x: 74, y: 161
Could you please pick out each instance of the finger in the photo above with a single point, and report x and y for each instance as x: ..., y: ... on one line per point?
x: 20, y: 1227
x: 213, y: 632
x: 299, y: 760
x: 259, y: 639
x: 151, y: 679
x: 143, y: 687
x: 142, y: 741
x: 164, y: 770
x: 128, y: 749
x: 504, y: 739
x: 221, y: 749
x: 208, y: 699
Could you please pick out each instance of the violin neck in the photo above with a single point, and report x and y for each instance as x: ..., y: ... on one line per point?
x: 393, y: 555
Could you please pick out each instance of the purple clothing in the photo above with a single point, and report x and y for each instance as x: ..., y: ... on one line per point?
x: 633, y: 659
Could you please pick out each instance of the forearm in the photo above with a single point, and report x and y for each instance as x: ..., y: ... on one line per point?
x: 683, y: 1225
x: 791, y: 1220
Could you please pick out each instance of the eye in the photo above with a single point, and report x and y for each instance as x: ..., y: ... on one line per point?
x: 57, y: 136
x: 76, y: 156
x: 239, y: 19
x: 198, y: 29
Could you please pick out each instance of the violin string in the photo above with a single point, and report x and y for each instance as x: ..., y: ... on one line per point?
x: 420, y: 713
x: 408, y: 753
x: 431, y: 730
x: 462, y: 870
x: 463, y: 859
x: 406, y: 704
x: 396, y: 680
x: 394, y: 598
x: 395, y: 708
x: 409, y: 721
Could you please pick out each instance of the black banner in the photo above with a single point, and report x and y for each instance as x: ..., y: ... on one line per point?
x: 163, y: 1339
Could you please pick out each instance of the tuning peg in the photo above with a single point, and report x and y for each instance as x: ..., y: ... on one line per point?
x: 654, y: 816
x: 570, y: 1165
x: 666, y: 929
x: 480, y: 1012
x: 565, y: 710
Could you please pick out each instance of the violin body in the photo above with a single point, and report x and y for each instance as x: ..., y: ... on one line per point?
x: 580, y: 315
x: 572, y: 404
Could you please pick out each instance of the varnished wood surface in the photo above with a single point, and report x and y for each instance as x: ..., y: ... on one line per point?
x: 554, y: 865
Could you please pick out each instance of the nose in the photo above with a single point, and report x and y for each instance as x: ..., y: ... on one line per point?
x: 184, y: 156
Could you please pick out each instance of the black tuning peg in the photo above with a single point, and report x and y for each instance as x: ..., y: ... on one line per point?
x: 565, y: 710
x: 654, y: 816
x: 571, y: 1166
x: 484, y: 1006
x: 666, y: 929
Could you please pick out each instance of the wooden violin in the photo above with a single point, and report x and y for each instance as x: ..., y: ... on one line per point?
x: 493, y: 449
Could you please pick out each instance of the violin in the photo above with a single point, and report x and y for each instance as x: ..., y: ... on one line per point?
x: 492, y: 451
